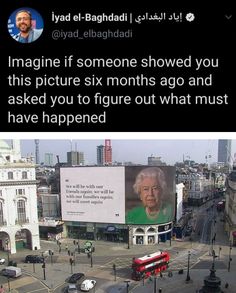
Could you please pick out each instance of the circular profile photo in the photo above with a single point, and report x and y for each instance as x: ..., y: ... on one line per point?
x: 25, y: 25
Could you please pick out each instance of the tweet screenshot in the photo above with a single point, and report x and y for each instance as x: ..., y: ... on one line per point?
x: 66, y: 67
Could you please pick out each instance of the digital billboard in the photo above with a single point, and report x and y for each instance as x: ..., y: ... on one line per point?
x: 93, y: 194
x: 150, y: 194
x: 125, y: 195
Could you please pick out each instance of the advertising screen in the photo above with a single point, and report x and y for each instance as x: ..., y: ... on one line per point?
x: 150, y: 194
x: 125, y: 195
x: 93, y: 194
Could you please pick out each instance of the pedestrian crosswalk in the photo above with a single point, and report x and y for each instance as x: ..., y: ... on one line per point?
x: 120, y: 262
x: 179, y: 260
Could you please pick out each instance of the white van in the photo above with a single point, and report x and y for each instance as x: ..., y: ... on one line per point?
x: 11, y: 271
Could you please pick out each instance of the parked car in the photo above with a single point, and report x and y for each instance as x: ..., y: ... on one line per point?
x: 34, y: 259
x: 2, y: 261
x: 11, y: 271
x: 71, y: 288
x: 75, y: 278
x: 87, y: 285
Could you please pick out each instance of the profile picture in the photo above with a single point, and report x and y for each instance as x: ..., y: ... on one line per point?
x: 25, y: 25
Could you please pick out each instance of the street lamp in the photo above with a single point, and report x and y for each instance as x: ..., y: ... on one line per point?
x: 230, y: 259
x: 219, y: 251
x: 114, y: 269
x: 44, y: 271
x: 8, y: 282
x: 59, y: 246
x: 91, y: 258
x: 128, y: 239
x: 34, y: 266
x: 188, y: 276
x: 155, y: 285
x: 127, y: 286
x: 71, y: 263
x: 51, y: 254
x: 74, y: 256
x: 129, y: 230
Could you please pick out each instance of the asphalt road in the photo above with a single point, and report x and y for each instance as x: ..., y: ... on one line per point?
x: 106, y: 254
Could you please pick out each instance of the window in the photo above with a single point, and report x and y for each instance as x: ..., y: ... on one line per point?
x: 1, y: 213
x: 24, y: 175
x: 151, y: 230
x: 21, y: 211
x: 20, y: 192
x: 139, y: 230
x: 197, y: 186
x: 10, y: 175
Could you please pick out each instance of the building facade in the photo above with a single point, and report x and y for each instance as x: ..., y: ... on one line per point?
x: 75, y: 158
x: 230, y: 207
x: 104, y: 154
x: 48, y: 159
x: 18, y: 201
x: 199, y: 188
x: 108, y: 152
x: 224, y: 151
x: 155, y: 161
x: 100, y: 155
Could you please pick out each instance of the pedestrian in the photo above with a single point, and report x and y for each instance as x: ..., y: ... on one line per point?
x: 2, y: 290
x: 226, y: 285
x: 68, y: 251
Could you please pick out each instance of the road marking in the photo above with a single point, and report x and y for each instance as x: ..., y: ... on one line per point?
x: 18, y: 283
x: 36, y: 290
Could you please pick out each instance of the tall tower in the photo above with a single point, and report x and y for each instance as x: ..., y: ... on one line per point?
x: 100, y: 155
x: 37, y: 151
x: 48, y: 159
x: 108, y: 152
x: 224, y: 151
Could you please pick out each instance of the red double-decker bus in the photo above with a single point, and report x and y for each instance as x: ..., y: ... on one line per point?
x: 151, y: 264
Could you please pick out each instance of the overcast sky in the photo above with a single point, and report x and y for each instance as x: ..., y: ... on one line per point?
x: 134, y: 150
